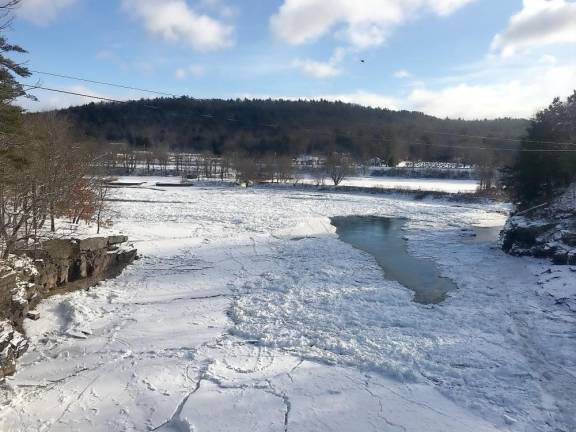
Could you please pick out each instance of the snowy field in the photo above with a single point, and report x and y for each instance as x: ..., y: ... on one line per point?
x: 409, y: 184
x: 396, y: 183
x: 246, y: 313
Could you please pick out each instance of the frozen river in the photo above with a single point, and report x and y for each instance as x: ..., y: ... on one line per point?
x: 247, y: 313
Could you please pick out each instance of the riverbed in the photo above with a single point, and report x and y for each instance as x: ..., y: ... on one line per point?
x: 248, y: 313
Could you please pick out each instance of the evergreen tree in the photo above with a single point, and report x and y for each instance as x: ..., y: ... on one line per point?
x: 10, y: 88
x: 537, y: 176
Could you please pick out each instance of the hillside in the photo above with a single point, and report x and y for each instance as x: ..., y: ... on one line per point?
x: 289, y: 127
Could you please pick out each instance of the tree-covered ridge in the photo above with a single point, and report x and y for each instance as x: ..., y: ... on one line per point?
x: 260, y: 127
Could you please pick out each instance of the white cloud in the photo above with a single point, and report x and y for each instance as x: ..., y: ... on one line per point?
x: 364, y: 98
x: 316, y: 69
x: 402, y: 74
x: 498, y: 96
x: 534, y: 86
x: 522, y: 96
x: 447, y: 7
x: 219, y: 7
x: 539, y: 23
x: 42, y: 11
x: 359, y: 97
x: 362, y: 23
x: 192, y: 71
x: 50, y: 101
x: 175, y: 21
x: 319, y: 69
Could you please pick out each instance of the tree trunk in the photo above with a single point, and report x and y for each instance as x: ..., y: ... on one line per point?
x: 52, y: 221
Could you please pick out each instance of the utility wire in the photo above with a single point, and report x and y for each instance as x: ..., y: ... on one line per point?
x: 103, y: 83
x: 491, y: 138
x: 34, y: 87
x: 428, y: 131
x: 317, y: 132
x: 499, y: 139
x: 519, y: 150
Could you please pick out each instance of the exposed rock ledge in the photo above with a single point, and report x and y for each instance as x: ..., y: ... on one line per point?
x: 546, y: 231
x: 57, y: 266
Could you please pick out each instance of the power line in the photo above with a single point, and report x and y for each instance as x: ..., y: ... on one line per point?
x: 34, y: 87
x: 381, y: 139
x: 490, y: 138
x: 499, y: 139
x: 103, y: 83
x: 520, y: 150
x: 428, y: 131
x: 317, y: 132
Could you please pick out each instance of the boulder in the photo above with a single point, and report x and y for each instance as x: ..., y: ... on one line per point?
x: 33, y: 315
x: 93, y: 244
x: 7, y: 283
x: 60, y: 248
x: 12, y: 346
x: 117, y: 239
x: 569, y: 238
x: 543, y: 233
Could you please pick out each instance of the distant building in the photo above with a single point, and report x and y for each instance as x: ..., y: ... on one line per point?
x: 309, y: 161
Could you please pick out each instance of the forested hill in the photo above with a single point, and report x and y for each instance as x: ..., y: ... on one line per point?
x: 289, y: 127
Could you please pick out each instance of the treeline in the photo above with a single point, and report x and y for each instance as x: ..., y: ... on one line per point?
x: 261, y: 127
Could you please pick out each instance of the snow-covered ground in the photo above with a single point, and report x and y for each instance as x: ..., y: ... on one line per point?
x: 395, y: 183
x: 246, y: 313
x: 409, y: 184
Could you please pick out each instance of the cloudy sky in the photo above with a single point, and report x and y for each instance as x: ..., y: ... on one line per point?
x: 450, y: 58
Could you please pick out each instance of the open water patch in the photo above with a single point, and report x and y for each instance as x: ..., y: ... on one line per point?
x: 383, y: 238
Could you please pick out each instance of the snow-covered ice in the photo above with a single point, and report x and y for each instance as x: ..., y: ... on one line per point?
x: 247, y: 313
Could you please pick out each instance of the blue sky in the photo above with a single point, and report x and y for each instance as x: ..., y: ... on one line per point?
x: 450, y: 58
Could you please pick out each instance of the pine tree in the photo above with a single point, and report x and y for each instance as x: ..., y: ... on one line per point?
x: 546, y: 163
x: 10, y: 88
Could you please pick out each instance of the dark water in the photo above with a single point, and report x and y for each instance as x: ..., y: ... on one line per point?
x: 483, y: 234
x: 383, y: 239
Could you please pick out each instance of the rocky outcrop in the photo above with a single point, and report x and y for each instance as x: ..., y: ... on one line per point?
x: 56, y: 266
x: 547, y: 231
x: 12, y: 345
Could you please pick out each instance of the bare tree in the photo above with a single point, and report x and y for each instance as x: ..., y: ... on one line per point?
x: 59, y: 160
x: 225, y: 166
x: 284, y: 167
x: 339, y: 167
x: 6, y: 12
x: 163, y: 158
x: 102, y: 195
x: 150, y: 162
x: 49, y: 175
x: 319, y: 176
x: 486, y: 167
x: 246, y: 169
x: 129, y: 160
